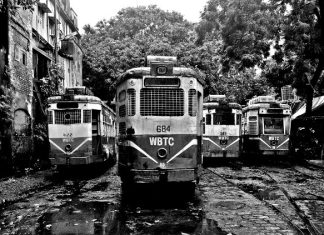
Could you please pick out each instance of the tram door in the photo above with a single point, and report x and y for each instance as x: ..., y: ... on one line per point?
x: 96, y: 138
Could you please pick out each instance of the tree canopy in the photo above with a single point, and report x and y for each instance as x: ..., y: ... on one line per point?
x: 244, y: 47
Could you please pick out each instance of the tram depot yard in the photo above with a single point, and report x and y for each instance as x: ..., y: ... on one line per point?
x: 229, y: 199
x: 161, y: 135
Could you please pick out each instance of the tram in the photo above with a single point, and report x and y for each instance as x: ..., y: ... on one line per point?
x: 159, y: 122
x: 266, y: 127
x: 222, y: 128
x: 81, y: 129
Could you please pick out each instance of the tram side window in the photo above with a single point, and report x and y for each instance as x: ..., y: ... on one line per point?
x: 208, y: 119
x: 95, y: 122
x: 238, y: 119
x: 192, y: 102
x: 131, y: 102
x: 50, y: 117
x: 204, y: 125
x: 86, y: 116
x: 122, y: 96
x: 122, y: 110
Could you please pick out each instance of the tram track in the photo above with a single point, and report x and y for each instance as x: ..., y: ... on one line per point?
x: 308, y: 227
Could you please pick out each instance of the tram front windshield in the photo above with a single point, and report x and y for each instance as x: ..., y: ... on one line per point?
x: 273, y: 125
x: 224, y: 117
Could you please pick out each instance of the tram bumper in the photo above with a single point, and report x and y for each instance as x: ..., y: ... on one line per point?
x: 164, y: 175
x: 76, y: 160
x: 275, y: 152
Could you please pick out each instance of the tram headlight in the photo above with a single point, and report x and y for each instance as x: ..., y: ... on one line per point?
x: 162, y: 153
x: 223, y: 141
x: 273, y: 142
x: 67, y: 116
x: 68, y: 148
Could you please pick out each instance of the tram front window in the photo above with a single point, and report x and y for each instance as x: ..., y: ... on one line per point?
x: 273, y: 125
x: 224, y: 118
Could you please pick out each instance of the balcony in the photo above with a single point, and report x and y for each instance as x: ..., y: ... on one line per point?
x: 43, y: 7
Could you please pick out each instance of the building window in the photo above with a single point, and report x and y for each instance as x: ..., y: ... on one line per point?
x: 16, y: 52
x: 24, y: 58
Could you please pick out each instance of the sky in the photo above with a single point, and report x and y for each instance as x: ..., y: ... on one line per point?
x: 90, y: 12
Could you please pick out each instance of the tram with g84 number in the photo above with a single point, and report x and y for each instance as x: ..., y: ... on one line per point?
x: 266, y: 127
x: 81, y: 129
x: 222, y: 128
x: 159, y: 122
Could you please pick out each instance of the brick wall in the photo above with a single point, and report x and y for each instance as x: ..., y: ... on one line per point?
x: 21, y: 78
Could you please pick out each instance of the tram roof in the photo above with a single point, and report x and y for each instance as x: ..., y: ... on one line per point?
x: 212, y: 105
x: 266, y: 105
x: 77, y: 98
x: 146, y: 71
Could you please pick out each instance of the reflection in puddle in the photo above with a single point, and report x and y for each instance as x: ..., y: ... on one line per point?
x: 82, y: 218
x: 153, y: 210
x: 165, y: 209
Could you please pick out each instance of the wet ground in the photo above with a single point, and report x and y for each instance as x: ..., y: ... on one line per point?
x: 230, y: 199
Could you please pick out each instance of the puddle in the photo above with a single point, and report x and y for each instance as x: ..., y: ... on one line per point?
x: 148, y: 210
x: 166, y: 209
x: 269, y: 194
x: 82, y: 218
x: 260, y: 192
x: 228, y: 205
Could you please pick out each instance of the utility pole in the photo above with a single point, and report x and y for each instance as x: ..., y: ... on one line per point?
x: 55, y: 34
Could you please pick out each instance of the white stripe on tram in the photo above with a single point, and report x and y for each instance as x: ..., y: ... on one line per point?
x: 69, y: 153
x: 283, y: 143
x: 192, y: 142
x: 58, y: 147
x: 86, y: 140
x: 265, y: 143
x: 132, y: 144
x: 212, y: 142
x: 232, y: 143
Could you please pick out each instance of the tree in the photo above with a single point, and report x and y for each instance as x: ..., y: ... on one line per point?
x: 124, y: 41
x: 299, y: 52
x: 245, y: 27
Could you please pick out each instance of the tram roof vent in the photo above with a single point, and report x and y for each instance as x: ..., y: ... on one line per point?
x: 161, y: 65
x: 262, y: 99
x: 161, y: 59
x: 79, y: 90
x: 215, y: 98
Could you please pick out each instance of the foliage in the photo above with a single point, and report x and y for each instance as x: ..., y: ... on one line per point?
x: 5, y: 108
x: 299, y: 52
x: 13, y: 5
x: 124, y: 41
x: 51, y: 84
x: 245, y: 27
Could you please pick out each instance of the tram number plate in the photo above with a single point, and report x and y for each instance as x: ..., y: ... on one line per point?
x: 163, y: 128
x: 67, y: 137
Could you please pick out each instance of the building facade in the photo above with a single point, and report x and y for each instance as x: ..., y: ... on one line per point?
x: 32, y: 43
